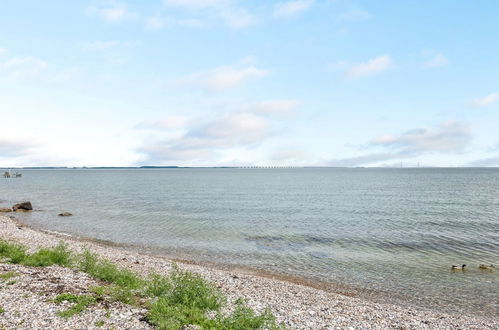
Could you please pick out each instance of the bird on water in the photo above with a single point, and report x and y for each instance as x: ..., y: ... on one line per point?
x: 487, y: 267
x: 454, y: 267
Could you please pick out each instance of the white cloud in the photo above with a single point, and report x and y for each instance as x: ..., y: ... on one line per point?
x: 369, y: 68
x: 23, y: 66
x: 167, y: 123
x: 237, y: 17
x: 486, y: 162
x: 101, y: 45
x: 191, y: 22
x: 155, y: 22
x: 485, y: 101
x: 436, y: 61
x: 234, y: 16
x: 196, y: 4
x: 287, y: 155
x: 215, y: 139
x: 14, y: 148
x: 364, y: 159
x: 449, y: 136
x: 291, y: 8
x: 223, y: 78
x: 208, y: 139
x: 65, y: 75
x: 112, y: 12
x: 356, y: 15
x: 274, y: 106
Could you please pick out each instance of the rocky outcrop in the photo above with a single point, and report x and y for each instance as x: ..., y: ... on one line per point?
x: 5, y: 209
x: 65, y: 214
x: 22, y: 207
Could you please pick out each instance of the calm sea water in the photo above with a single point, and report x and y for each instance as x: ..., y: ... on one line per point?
x: 384, y: 233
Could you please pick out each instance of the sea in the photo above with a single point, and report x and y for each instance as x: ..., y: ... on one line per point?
x: 387, y: 235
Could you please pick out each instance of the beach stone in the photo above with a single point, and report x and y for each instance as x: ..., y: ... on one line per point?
x: 24, y: 206
x: 65, y: 214
x: 5, y: 209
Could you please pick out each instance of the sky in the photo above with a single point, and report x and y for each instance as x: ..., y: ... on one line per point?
x: 249, y: 83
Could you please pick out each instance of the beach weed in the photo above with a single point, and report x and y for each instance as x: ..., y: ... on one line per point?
x: 87, y: 261
x: 16, y: 253
x: 99, y: 323
x: 107, y: 271
x: 2, y: 310
x: 123, y: 294
x: 182, y: 298
x: 185, y: 298
x: 192, y: 290
x: 243, y: 317
x: 58, y: 255
x: 11, y: 282
x: 80, y: 303
x: 8, y: 275
x: 166, y: 316
x: 99, y: 291
x: 157, y: 285
x: 66, y: 297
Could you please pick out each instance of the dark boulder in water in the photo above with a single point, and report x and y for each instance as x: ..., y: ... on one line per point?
x: 65, y: 214
x: 24, y: 206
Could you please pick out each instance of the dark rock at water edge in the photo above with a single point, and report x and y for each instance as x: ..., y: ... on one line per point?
x: 24, y: 206
x: 65, y: 214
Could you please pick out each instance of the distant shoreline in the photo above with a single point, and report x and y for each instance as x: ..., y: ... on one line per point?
x: 277, y: 167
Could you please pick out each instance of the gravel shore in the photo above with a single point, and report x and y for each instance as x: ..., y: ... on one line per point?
x: 26, y: 298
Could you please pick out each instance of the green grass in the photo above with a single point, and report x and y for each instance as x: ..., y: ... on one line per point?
x: 99, y: 323
x: 15, y: 253
x: 8, y: 275
x: 185, y: 298
x: 105, y: 270
x: 2, y: 310
x: 244, y: 317
x: 80, y: 303
x: 178, y: 299
x: 59, y: 255
x: 191, y: 290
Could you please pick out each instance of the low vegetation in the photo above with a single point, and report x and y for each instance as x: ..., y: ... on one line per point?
x: 80, y: 303
x: 8, y: 275
x: 173, y: 301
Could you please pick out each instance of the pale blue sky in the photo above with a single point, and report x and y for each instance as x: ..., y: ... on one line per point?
x: 234, y: 82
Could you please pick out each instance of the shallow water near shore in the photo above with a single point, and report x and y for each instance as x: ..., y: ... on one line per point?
x: 389, y: 234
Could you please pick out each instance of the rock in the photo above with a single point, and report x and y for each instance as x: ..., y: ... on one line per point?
x: 24, y: 206
x: 5, y: 209
x: 65, y: 214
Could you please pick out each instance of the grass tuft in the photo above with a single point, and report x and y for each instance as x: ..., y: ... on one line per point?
x: 8, y: 275
x: 105, y: 270
x: 80, y: 303
x: 192, y: 290
x: 15, y: 253
x: 244, y: 317
x: 59, y: 255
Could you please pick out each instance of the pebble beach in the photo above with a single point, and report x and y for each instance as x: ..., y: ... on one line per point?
x: 26, y: 300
